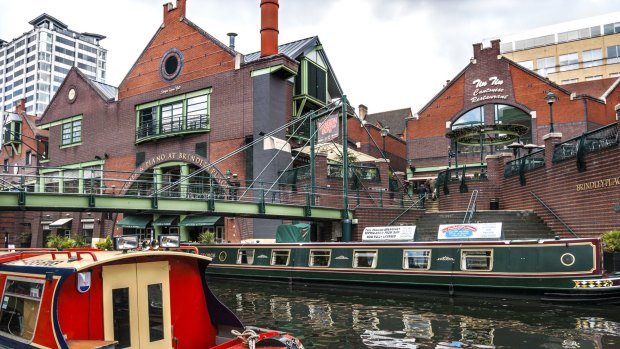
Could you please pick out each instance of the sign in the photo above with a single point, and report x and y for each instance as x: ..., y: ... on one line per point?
x: 396, y: 233
x: 601, y: 183
x: 488, y: 89
x: 327, y: 128
x: 83, y: 282
x: 470, y: 231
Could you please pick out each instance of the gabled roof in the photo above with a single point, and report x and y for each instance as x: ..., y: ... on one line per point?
x: 594, y: 88
x: 297, y: 49
x: 394, y: 119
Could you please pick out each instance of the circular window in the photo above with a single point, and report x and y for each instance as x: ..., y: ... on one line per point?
x: 567, y: 259
x: 222, y: 256
x: 171, y: 64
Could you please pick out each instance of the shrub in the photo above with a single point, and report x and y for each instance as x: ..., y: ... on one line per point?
x: 60, y: 242
x: 104, y: 244
x: 611, y: 241
x: 206, y: 237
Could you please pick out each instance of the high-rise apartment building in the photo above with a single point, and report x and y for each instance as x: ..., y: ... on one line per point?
x: 34, y: 65
x: 580, y: 50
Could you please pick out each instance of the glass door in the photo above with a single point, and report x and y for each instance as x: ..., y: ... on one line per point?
x: 136, y: 305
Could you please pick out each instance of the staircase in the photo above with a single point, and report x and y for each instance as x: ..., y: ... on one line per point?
x: 431, y: 205
x: 516, y: 225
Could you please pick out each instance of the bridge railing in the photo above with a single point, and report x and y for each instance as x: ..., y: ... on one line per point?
x: 97, y: 182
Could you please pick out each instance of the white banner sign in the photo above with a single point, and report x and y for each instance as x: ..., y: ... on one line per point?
x: 396, y: 233
x: 470, y: 231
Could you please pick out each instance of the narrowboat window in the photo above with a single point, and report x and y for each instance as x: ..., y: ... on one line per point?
x: 365, y: 259
x: 245, y: 257
x: 416, y: 259
x: 477, y: 260
x: 20, y: 307
x: 320, y: 258
x: 120, y: 317
x: 280, y: 257
x: 156, y: 317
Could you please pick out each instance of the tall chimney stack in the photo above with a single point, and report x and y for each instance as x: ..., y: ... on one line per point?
x: 269, y: 27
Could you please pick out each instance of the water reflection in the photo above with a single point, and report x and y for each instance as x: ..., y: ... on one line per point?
x: 363, y: 318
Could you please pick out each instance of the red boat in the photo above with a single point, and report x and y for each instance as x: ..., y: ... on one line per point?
x: 127, y: 298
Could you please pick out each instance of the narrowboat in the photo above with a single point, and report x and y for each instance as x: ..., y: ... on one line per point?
x: 132, y: 297
x: 551, y: 269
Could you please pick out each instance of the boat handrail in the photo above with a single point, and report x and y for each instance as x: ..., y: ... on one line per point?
x: 79, y: 254
x: 471, y: 207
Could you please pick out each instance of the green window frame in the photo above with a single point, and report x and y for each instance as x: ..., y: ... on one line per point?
x: 71, y: 133
x: 184, y: 113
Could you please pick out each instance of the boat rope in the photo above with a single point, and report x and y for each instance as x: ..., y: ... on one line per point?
x: 248, y: 337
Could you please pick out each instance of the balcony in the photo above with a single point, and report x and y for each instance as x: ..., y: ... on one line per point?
x: 171, y: 127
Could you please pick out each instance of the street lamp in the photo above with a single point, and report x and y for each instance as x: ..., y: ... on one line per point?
x: 384, y: 133
x: 550, y: 98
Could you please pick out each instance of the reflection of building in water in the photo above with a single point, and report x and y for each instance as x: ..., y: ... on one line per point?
x: 365, y: 319
x: 280, y: 308
x: 599, y: 325
x: 320, y: 315
x: 476, y: 331
x: 416, y: 326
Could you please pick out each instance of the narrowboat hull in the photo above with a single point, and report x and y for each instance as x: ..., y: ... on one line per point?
x: 558, y: 270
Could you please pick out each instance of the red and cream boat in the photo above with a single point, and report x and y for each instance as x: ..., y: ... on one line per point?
x: 127, y: 298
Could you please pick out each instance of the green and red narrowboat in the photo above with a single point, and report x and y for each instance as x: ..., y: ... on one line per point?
x: 559, y: 269
x: 87, y: 299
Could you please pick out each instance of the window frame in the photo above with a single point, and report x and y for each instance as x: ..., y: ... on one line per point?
x: 464, y: 255
x: 428, y: 257
x: 249, y: 259
x: 375, y: 257
x: 37, y: 298
x: 274, y: 256
x: 311, y: 260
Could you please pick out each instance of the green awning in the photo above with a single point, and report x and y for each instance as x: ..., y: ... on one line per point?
x: 134, y: 221
x: 165, y: 221
x: 199, y: 221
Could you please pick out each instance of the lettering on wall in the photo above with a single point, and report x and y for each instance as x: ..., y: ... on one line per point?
x: 187, y: 157
x: 601, y: 183
x: 170, y: 89
x: 492, y: 88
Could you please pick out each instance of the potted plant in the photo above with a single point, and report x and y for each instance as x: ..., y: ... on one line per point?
x: 611, y: 251
x: 105, y: 244
x: 206, y: 237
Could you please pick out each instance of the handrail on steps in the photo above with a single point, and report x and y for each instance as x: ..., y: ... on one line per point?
x: 554, y: 214
x: 471, y: 207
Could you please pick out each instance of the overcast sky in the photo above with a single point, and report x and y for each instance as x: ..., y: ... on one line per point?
x: 387, y: 54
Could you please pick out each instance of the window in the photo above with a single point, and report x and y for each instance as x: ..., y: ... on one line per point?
x: 184, y: 113
x: 569, y: 61
x: 72, y: 132
x: 5, y: 166
x: 545, y: 66
x: 365, y: 259
x: 28, y: 158
x: 20, y: 307
x: 416, y: 259
x: 317, y: 82
x: 320, y: 258
x: 592, y: 58
x: 613, y: 54
x: 477, y: 260
x: 569, y: 81
x: 594, y: 77
x: 13, y: 132
x: 280, y: 257
x: 527, y: 64
x: 65, y: 41
x: 245, y: 256
x: 611, y: 28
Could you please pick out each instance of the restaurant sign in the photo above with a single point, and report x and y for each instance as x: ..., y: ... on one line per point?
x: 492, y: 88
x: 470, y: 231
x: 396, y: 233
x: 327, y: 128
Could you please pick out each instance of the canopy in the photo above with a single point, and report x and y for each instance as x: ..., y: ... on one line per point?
x: 293, y: 233
x: 165, y: 221
x: 334, y: 152
x: 199, y: 221
x: 134, y: 221
x: 60, y: 223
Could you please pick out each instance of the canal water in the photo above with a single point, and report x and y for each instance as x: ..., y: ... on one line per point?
x: 331, y: 317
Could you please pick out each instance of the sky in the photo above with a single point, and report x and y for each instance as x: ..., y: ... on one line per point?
x: 386, y: 54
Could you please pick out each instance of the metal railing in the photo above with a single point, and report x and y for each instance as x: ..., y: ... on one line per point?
x: 598, y: 139
x: 554, y: 214
x: 171, y: 125
x: 525, y: 163
x: 471, y: 207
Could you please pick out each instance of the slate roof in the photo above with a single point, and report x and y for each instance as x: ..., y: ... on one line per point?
x: 394, y: 119
x: 594, y: 88
x: 106, y: 90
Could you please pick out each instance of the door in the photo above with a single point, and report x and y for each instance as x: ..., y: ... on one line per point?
x: 136, y: 305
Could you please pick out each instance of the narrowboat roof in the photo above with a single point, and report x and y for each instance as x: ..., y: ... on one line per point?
x: 83, y: 259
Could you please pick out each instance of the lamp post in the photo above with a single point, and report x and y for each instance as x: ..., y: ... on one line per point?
x: 550, y: 97
x: 515, y: 146
x: 384, y: 133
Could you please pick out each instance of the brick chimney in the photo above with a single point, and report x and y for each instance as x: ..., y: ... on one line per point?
x: 363, y: 110
x: 174, y: 12
x: 20, y: 107
x: 269, y: 27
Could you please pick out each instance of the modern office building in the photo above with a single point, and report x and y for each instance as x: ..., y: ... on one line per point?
x: 568, y: 52
x: 33, y: 65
